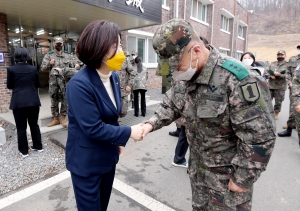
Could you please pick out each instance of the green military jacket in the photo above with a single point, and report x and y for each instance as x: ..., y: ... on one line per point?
x: 280, y: 82
x: 230, y: 124
x: 126, y: 75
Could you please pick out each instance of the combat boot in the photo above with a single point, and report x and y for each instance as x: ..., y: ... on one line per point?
x: 276, y: 114
x: 55, y: 121
x: 64, y: 121
x: 285, y: 133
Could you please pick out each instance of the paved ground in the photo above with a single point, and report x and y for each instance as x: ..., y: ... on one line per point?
x: 146, y: 167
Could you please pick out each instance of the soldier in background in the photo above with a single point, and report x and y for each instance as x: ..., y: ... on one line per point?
x: 293, y: 63
x: 279, y: 76
x: 229, y: 120
x: 134, y: 54
x: 126, y: 75
x: 296, y: 98
x: 56, y: 61
x: 76, y: 63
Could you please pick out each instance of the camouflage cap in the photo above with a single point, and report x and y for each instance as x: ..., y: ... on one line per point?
x: 58, y: 40
x: 281, y: 52
x: 134, y: 53
x: 169, y: 41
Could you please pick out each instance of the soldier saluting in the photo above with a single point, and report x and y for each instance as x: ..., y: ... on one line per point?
x: 230, y: 125
x: 57, y: 61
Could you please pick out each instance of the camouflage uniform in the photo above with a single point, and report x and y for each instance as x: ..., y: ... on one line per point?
x: 296, y: 97
x: 56, y: 82
x: 126, y: 75
x: 278, y: 86
x: 294, y: 61
x: 75, y: 60
x: 229, y: 120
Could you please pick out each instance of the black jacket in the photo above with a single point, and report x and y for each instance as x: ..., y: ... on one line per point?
x: 24, y: 80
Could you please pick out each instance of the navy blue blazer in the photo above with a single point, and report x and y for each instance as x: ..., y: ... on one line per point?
x: 24, y: 80
x: 94, y: 133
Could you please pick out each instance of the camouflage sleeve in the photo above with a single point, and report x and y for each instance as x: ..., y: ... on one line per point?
x: 296, y: 89
x: 252, y: 117
x: 267, y: 73
x: 165, y: 114
x: 69, y: 72
x: 46, y: 63
x: 130, y: 73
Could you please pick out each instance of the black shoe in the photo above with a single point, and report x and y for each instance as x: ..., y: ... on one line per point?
x: 285, y: 133
x: 143, y: 115
x: 136, y: 115
x: 174, y: 133
x: 33, y: 149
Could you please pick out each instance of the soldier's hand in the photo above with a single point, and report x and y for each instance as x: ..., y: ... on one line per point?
x: 273, y: 77
x: 147, y: 129
x: 234, y: 188
x: 52, y: 62
x: 127, y: 89
x: 77, y: 65
x: 277, y: 74
x: 297, y: 108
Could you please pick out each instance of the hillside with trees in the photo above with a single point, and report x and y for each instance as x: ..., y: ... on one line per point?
x: 272, y: 17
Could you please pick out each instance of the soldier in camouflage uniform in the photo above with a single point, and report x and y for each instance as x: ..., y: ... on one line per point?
x: 293, y: 63
x: 228, y: 114
x: 296, y: 98
x: 279, y: 76
x: 126, y: 75
x: 56, y: 61
x: 140, y: 86
x: 75, y: 62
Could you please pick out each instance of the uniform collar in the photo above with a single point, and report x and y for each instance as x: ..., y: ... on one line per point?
x: 207, y: 71
x: 61, y: 55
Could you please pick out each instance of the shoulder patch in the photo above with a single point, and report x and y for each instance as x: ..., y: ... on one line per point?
x: 237, y: 69
x: 50, y: 52
x: 250, y: 92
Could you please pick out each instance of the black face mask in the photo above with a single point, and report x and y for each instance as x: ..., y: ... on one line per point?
x: 58, y: 47
x: 280, y: 59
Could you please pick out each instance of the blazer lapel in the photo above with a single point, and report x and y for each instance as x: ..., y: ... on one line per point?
x: 95, y: 79
x: 116, y: 89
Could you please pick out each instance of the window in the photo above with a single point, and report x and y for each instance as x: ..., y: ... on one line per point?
x: 164, y: 5
x: 199, y: 10
x: 241, y: 31
x: 164, y: 2
x: 238, y: 55
x: 143, y: 45
x: 224, y: 51
x: 224, y: 23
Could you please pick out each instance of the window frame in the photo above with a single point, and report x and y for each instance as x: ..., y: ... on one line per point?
x: 164, y: 5
x: 146, y: 36
x: 199, y: 16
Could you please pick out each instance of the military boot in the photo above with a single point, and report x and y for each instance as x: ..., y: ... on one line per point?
x: 276, y: 114
x: 285, y: 133
x: 64, y: 121
x: 55, y: 121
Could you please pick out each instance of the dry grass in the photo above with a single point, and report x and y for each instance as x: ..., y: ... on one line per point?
x: 265, y: 47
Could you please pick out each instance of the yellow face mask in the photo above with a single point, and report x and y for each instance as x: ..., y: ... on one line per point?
x: 116, y: 62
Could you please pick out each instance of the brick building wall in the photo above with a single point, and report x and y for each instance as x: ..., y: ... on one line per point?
x: 5, y: 94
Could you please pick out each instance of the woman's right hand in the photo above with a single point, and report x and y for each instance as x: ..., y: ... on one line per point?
x: 137, y: 132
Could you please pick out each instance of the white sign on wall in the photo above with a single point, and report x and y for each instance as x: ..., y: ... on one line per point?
x: 1, y: 57
x: 136, y: 3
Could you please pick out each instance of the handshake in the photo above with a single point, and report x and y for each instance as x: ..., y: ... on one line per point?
x: 138, y: 132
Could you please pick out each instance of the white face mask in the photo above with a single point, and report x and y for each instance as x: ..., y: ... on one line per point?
x: 247, y: 62
x: 133, y: 57
x: 187, y: 75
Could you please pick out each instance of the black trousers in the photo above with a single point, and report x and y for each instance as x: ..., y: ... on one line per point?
x: 30, y: 115
x: 136, y: 101
x: 181, y: 147
x: 92, y: 193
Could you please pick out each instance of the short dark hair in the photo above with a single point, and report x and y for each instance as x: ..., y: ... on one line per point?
x: 204, y: 40
x: 96, y: 40
x: 250, y: 54
x: 21, y: 54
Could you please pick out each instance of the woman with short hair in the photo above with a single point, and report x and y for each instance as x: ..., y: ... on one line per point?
x: 25, y: 103
x: 95, y: 138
